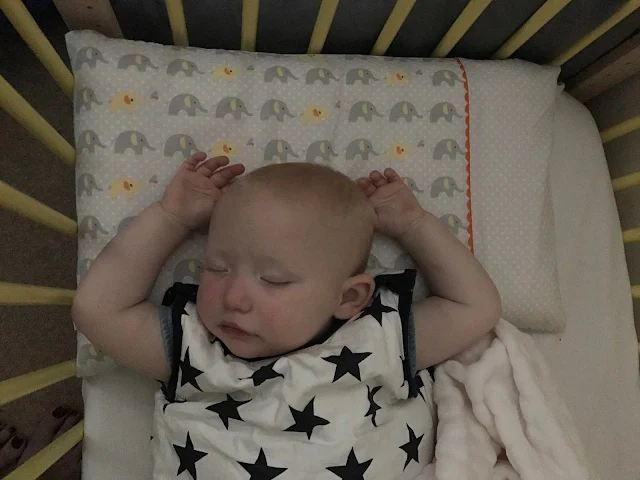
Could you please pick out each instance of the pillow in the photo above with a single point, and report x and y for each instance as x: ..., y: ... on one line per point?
x: 472, y: 139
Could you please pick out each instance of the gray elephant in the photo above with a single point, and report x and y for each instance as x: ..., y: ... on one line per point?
x: 184, y: 66
x: 322, y: 149
x: 134, y: 140
x: 123, y: 223
x: 89, y: 56
x: 278, y: 72
x: 275, y: 108
x: 91, y: 226
x: 231, y: 106
x: 188, y: 271
x: 89, y: 352
x: 452, y: 222
x: 444, y: 110
x: 280, y: 149
x: 88, y: 140
x: 404, y: 110
x: 445, y: 76
x: 182, y: 143
x: 448, y: 147
x: 360, y: 74
x: 185, y: 102
x: 322, y: 75
x: 444, y: 185
x: 83, y: 267
x: 86, y: 97
x: 141, y: 62
x: 362, y: 147
x: 413, y: 186
x: 363, y: 109
x: 86, y: 183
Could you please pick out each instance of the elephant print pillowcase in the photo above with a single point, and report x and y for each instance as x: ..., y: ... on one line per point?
x: 471, y: 139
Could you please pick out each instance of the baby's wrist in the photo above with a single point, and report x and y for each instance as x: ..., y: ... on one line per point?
x: 172, y: 218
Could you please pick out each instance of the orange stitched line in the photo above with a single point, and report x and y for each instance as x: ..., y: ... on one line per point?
x: 467, y: 155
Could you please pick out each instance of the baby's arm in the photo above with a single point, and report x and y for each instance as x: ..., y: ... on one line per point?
x: 110, y: 306
x: 465, y: 304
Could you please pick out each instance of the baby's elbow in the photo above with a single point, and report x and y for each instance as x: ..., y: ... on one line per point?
x: 492, y: 310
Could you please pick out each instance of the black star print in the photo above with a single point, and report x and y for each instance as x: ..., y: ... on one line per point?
x: 189, y: 373
x: 260, y: 470
x: 373, y: 406
x: 419, y: 385
x: 352, y: 470
x: 306, y: 420
x: 411, y: 447
x: 347, y: 362
x: 265, y: 373
x: 227, y: 409
x: 376, y: 309
x: 188, y: 457
x: 178, y: 400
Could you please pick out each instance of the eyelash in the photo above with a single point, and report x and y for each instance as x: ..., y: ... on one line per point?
x: 269, y: 282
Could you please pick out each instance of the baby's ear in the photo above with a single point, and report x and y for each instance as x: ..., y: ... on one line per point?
x: 356, y: 295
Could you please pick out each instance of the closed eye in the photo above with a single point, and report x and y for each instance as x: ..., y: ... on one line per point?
x: 216, y: 270
x: 275, y: 283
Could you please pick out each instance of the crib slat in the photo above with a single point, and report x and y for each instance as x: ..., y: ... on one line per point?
x: 30, y: 119
x: 623, y: 12
x: 635, y: 291
x: 462, y: 24
x: 323, y: 23
x: 620, y: 129
x: 178, y: 24
x: 45, y: 458
x: 20, y: 294
x: 631, y: 235
x: 392, y: 26
x: 30, y: 32
x: 249, y: 24
x: 18, y: 387
x: 31, y: 208
x: 626, y: 181
x: 539, y: 19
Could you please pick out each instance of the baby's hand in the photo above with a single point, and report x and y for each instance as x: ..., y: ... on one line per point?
x: 196, y: 187
x: 396, y: 207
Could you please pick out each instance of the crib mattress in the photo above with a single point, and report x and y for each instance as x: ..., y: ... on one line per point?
x: 595, y: 360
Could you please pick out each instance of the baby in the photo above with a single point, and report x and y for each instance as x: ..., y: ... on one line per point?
x: 288, y: 360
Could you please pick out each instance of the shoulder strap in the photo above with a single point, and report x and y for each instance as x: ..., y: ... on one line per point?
x: 176, y: 297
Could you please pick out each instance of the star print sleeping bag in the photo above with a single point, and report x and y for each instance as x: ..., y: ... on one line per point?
x: 345, y: 406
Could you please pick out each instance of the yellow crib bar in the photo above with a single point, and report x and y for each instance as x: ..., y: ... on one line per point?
x: 623, y: 12
x: 21, y: 294
x: 250, y: 10
x: 620, y: 129
x: 631, y: 235
x: 178, y: 24
x: 18, y: 387
x: 462, y: 24
x: 635, y: 291
x: 30, y: 32
x: 42, y: 461
x: 30, y: 119
x: 392, y: 26
x: 631, y: 180
x: 31, y: 208
x: 539, y: 19
x: 323, y: 23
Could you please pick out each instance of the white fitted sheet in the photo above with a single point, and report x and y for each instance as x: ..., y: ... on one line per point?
x: 595, y: 360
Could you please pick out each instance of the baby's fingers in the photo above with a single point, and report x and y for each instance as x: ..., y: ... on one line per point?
x: 195, y: 159
x: 210, y: 166
x: 366, y: 186
x: 223, y: 177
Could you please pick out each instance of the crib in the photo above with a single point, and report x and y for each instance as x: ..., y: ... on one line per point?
x: 602, y: 82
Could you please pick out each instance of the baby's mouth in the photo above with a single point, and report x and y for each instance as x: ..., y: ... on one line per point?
x: 233, y: 330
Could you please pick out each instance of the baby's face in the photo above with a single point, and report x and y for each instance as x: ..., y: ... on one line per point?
x: 271, y: 282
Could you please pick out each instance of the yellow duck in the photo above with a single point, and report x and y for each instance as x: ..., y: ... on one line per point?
x: 314, y: 114
x: 226, y: 72
x: 397, y: 151
x: 224, y: 149
x: 124, y: 101
x: 397, y: 78
x: 124, y: 185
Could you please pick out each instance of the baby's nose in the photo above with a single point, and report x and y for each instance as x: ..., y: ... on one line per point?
x: 236, y: 295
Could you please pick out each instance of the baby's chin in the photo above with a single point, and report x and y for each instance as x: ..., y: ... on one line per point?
x: 248, y: 347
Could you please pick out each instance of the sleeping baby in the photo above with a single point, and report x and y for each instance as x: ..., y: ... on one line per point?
x: 287, y: 360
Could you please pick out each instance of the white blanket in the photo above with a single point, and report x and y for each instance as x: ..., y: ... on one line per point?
x: 501, y: 418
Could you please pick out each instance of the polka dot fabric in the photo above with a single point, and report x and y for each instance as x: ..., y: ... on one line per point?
x: 471, y: 139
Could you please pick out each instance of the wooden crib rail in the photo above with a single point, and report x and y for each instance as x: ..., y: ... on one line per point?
x: 177, y: 22
x: 45, y: 458
x: 392, y: 26
x: 460, y: 26
x: 21, y: 294
x: 18, y: 387
x: 28, y: 29
x: 249, y: 25
x: 323, y: 23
